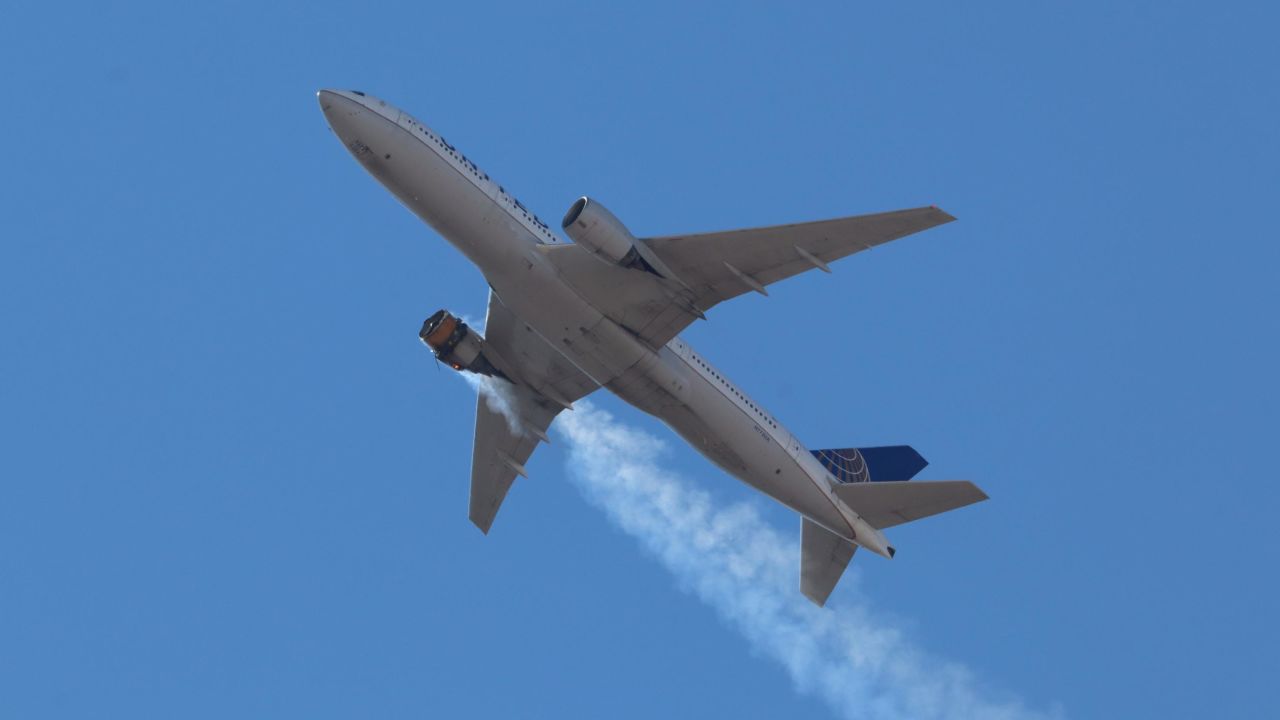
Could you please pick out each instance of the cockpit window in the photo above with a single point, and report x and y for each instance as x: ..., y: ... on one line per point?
x: 357, y: 92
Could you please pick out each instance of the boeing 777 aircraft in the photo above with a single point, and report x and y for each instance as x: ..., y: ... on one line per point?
x: 605, y: 311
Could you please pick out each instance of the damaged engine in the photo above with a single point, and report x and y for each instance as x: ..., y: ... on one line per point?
x: 457, y: 345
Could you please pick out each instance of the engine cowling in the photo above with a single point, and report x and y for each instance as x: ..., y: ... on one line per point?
x: 456, y: 344
x: 592, y: 226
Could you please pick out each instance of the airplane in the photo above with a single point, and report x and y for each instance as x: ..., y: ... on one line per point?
x: 606, y: 310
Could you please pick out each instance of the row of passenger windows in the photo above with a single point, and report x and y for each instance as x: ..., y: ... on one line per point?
x: 541, y: 227
x: 444, y: 144
x: 711, y: 372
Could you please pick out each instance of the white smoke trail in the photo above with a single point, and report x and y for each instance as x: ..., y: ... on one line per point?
x: 498, y: 395
x: 746, y: 570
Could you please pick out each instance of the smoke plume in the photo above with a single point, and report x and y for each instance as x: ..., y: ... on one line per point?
x: 499, y: 395
x: 746, y: 570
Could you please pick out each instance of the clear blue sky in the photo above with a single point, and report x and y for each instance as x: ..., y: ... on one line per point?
x: 233, y: 483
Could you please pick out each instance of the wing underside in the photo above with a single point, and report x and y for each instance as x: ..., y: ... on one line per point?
x: 696, y: 272
x: 512, y: 417
x: 509, y: 423
x: 718, y: 266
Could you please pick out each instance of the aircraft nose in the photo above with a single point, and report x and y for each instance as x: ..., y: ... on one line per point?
x: 349, y: 100
x: 344, y: 115
x: 328, y: 99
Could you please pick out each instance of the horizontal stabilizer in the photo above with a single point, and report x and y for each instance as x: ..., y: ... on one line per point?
x: 823, y: 558
x: 885, y: 504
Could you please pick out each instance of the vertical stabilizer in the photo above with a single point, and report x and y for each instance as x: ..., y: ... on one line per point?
x: 871, y: 464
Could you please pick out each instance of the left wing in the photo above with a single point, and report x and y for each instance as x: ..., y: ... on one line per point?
x: 655, y: 308
x: 692, y: 273
x: 721, y: 265
x: 513, y: 417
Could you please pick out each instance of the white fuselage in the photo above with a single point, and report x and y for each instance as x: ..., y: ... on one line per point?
x: 507, y: 242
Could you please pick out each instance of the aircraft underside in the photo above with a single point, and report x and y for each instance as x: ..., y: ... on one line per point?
x: 605, y: 311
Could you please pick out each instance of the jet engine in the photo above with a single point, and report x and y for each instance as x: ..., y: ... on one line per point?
x: 457, y: 345
x: 594, y: 228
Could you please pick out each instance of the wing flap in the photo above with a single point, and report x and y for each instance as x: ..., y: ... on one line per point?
x: 654, y: 308
x: 528, y: 360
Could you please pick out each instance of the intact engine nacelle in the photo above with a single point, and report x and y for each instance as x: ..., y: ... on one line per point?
x: 457, y: 345
x: 593, y: 227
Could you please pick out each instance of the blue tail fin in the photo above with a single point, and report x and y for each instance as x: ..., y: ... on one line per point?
x: 874, y: 464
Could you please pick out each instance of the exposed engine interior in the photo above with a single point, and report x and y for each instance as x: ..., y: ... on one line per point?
x: 456, y: 344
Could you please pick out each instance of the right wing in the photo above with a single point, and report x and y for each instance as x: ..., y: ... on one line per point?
x: 510, y: 422
x: 513, y: 417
